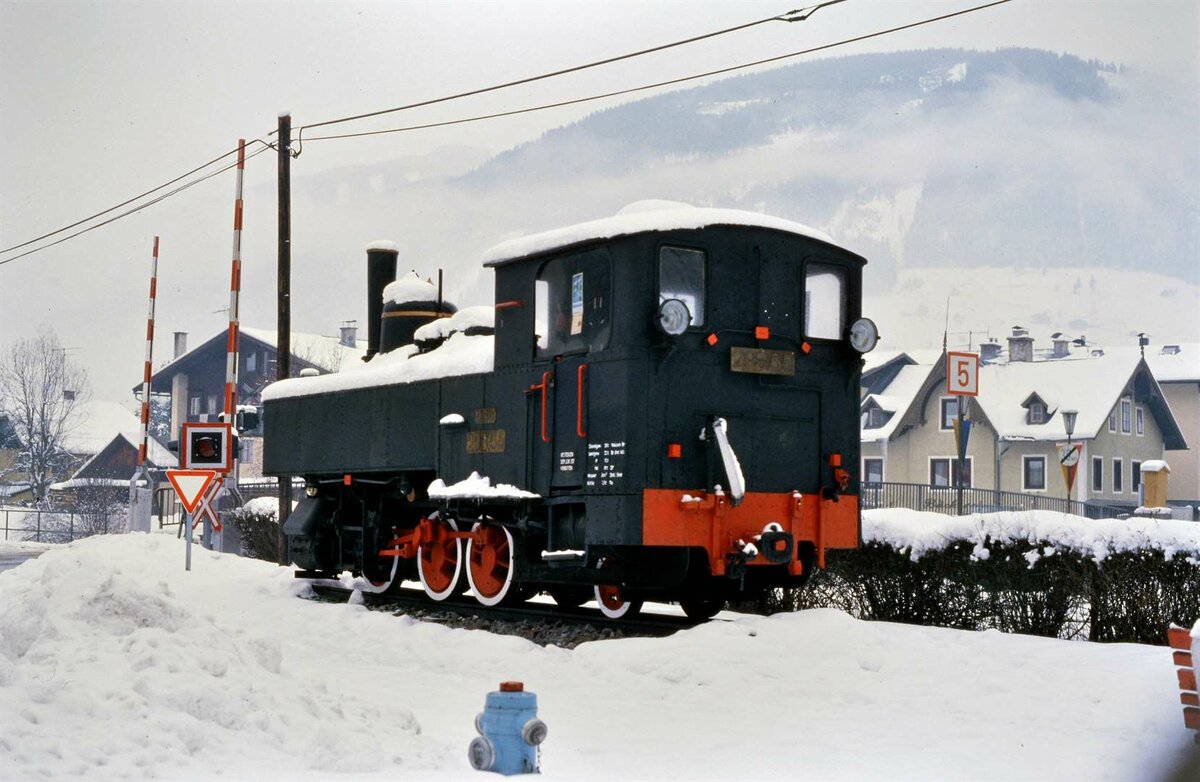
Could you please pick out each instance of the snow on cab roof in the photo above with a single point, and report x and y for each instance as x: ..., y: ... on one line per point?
x: 642, y: 217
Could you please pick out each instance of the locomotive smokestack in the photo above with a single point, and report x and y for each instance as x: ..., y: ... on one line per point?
x: 381, y: 271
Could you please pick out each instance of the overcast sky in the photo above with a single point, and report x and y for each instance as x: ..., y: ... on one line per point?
x: 102, y: 100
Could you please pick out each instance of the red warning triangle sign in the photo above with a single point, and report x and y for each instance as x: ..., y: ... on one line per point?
x: 191, y: 485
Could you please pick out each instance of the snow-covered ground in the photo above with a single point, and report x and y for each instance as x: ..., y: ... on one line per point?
x: 115, y: 663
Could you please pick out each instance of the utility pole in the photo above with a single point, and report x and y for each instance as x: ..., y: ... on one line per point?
x: 284, y: 336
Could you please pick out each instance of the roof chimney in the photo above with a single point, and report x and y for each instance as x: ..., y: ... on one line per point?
x: 180, y: 343
x: 1062, y: 345
x: 1020, y: 345
x: 349, y: 337
x: 989, y: 351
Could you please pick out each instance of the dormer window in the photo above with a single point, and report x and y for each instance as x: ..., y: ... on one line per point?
x: 1036, y: 410
x: 874, y: 416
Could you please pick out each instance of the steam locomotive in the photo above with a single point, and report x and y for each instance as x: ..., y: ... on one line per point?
x: 662, y: 405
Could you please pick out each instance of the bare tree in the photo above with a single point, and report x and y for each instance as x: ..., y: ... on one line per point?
x: 40, y: 391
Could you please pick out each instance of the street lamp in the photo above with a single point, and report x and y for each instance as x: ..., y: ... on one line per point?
x: 1069, y: 417
x: 1069, y: 422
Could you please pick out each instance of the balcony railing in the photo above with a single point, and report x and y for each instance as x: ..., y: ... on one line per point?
x: 946, y: 499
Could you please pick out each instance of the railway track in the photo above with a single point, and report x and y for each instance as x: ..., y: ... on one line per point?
x: 540, y: 622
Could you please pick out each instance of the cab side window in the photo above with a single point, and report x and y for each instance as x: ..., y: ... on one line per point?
x: 681, y: 276
x: 573, y: 307
x: 824, y: 301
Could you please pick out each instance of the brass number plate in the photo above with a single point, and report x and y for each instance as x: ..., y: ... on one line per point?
x: 485, y: 441
x: 762, y: 362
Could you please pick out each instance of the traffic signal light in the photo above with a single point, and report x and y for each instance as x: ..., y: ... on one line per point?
x: 207, y: 447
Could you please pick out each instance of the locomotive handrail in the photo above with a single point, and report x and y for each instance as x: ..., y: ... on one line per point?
x: 579, y: 401
x: 542, y: 386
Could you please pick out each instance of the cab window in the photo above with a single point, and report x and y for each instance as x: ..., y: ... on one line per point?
x: 681, y: 276
x: 824, y: 301
x: 573, y: 310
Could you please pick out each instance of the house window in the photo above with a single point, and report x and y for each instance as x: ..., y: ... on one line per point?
x: 873, y: 470
x: 874, y: 418
x: 214, y: 404
x: 251, y: 362
x: 194, y: 405
x: 943, y: 472
x: 1118, y: 466
x: 949, y: 412
x: 1037, y: 413
x: 1097, y: 474
x: 1135, y: 476
x: 1033, y: 473
x: 939, y: 472
x: 1126, y: 412
x: 1112, y: 420
x: 1141, y: 421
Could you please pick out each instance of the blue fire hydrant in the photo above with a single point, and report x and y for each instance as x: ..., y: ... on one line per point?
x: 509, y: 732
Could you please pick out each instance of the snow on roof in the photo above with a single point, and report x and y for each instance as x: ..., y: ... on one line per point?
x: 383, y: 244
x: 409, y: 287
x: 1183, y: 366
x: 1155, y: 465
x: 641, y: 217
x: 899, y: 397
x: 1090, y: 385
x: 481, y: 316
x: 326, y: 352
x: 459, y: 355
x: 98, y: 423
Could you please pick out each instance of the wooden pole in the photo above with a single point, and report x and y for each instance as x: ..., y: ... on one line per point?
x: 284, y: 337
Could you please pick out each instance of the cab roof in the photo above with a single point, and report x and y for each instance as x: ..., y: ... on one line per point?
x: 642, y: 217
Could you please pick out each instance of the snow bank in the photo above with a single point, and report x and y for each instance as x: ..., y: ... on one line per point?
x: 116, y: 664
x: 919, y: 532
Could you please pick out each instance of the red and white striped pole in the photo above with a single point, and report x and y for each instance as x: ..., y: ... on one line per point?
x: 235, y: 288
x: 146, y: 375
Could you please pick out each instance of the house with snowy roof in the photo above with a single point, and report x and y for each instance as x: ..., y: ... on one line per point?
x: 1123, y: 419
x: 195, y: 379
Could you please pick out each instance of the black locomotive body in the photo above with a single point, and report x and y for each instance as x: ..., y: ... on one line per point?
x: 667, y: 408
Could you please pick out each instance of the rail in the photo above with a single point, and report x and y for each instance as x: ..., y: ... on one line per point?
x: 945, y: 499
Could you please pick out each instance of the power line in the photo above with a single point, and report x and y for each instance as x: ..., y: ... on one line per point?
x: 137, y: 209
x: 655, y: 85
x: 797, y: 15
x: 790, y: 16
x: 124, y: 203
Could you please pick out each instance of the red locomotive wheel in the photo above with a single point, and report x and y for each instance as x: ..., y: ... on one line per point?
x: 439, y: 561
x: 612, y: 605
x: 490, y: 563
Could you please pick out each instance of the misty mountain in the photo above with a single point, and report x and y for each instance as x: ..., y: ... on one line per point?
x: 921, y: 160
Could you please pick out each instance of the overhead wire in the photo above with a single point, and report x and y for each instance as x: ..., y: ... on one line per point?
x: 127, y: 203
x: 797, y: 15
x: 656, y: 85
x: 136, y: 209
x: 790, y: 16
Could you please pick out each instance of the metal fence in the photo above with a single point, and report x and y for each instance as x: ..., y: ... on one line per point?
x: 54, y: 526
x: 944, y: 499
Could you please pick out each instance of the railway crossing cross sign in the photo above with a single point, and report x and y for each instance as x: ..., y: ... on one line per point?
x: 191, y: 486
x: 196, y: 490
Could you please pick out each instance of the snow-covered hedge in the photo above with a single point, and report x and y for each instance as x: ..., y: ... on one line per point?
x: 258, y: 524
x: 1035, y: 572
